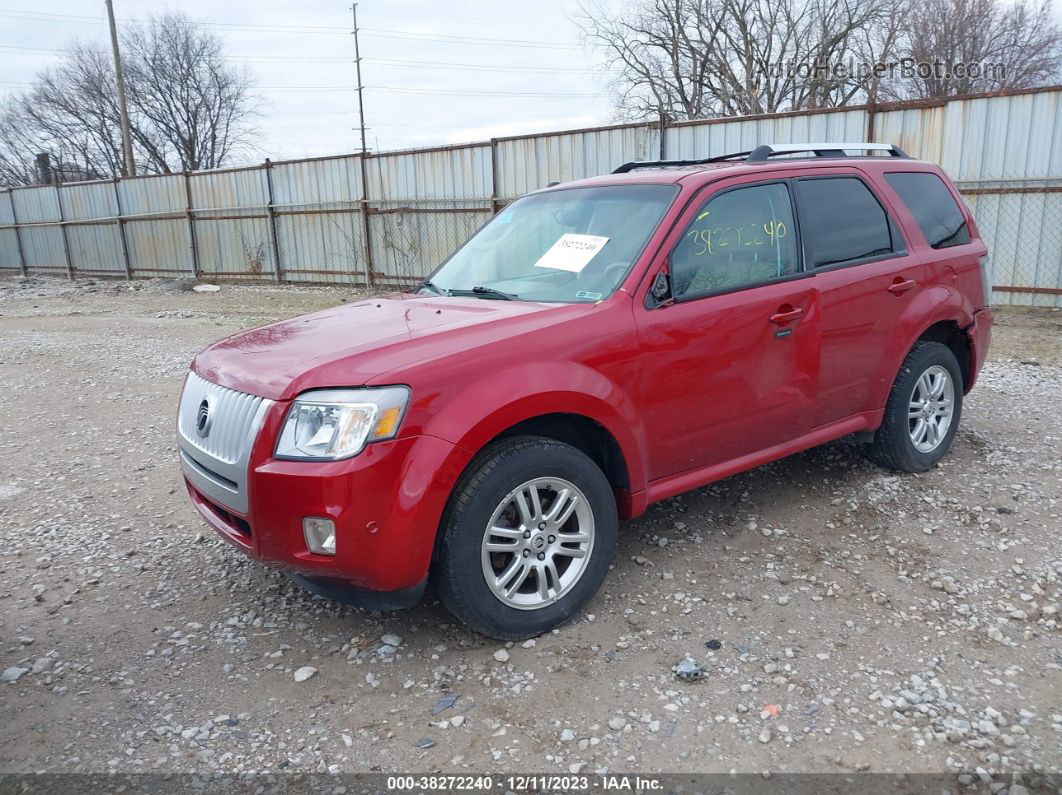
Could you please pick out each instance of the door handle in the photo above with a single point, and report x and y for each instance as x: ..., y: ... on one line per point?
x: 901, y: 286
x: 784, y: 316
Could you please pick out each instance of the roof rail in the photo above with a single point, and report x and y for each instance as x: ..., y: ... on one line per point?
x: 665, y: 163
x: 761, y: 154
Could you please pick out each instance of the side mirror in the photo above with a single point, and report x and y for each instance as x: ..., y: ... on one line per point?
x: 660, y: 290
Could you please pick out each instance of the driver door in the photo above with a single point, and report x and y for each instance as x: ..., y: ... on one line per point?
x: 731, y: 365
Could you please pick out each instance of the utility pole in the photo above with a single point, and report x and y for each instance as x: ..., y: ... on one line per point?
x: 366, y: 227
x: 357, y: 69
x: 127, y: 141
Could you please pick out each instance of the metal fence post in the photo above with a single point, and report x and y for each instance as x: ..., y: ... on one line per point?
x: 121, y: 231
x: 366, y: 227
x: 272, y: 216
x: 62, y: 234
x: 191, y: 225
x: 495, y: 200
x: 18, y: 237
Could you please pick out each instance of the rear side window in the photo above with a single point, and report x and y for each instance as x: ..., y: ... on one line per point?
x: 842, y: 221
x: 739, y: 238
x: 933, y: 206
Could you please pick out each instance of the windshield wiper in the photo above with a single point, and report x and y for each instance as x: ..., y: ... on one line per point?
x: 428, y: 285
x: 479, y: 290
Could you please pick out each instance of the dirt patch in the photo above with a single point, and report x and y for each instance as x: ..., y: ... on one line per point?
x: 847, y: 618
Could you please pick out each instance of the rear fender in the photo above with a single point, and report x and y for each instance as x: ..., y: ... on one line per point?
x: 931, y: 305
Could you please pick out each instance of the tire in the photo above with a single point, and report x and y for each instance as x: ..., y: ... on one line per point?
x: 489, y: 496
x: 894, y: 444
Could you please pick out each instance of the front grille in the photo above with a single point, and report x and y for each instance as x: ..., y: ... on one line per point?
x: 216, y: 428
x: 232, y: 414
x: 231, y: 519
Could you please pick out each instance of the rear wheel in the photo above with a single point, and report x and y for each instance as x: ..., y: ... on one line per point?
x: 527, y: 539
x: 923, y: 411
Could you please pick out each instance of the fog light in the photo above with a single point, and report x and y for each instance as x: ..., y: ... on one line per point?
x: 320, y: 535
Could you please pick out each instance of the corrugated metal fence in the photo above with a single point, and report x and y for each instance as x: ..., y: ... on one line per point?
x: 393, y: 217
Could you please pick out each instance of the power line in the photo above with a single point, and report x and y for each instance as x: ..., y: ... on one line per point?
x: 400, y: 90
x: 476, y: 93
x: 385, y: 33
x: 480, y: 67
x: 446, y: 91
x: 523, y: 21
x: 386, y: 62
x: 471, y: 39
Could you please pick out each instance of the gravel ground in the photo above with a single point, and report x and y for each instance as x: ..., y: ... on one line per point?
x: 845, y: 618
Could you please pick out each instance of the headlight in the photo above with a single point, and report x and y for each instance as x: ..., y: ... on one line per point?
x: 328, y: 424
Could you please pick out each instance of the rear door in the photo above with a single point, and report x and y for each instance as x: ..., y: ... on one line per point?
x: 954, y: 253
x: 865, y: 275
x: 730, y: 367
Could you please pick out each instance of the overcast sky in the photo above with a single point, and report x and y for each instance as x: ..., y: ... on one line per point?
x: 434, y: 72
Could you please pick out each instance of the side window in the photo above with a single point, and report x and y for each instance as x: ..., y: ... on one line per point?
x: 843, y: 221
x: 933, y: 206
x: 739, y: 238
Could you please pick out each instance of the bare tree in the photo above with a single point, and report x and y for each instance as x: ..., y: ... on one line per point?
x: 688, y: 59
x: 16, y: 141
x: 22, y: 142
x: 188, y: 109
x: 192, y: 108
x: 1009, y: 46
x: 71, y: 113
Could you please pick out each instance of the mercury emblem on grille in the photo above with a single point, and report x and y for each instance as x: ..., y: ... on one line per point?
x: 202, y: 418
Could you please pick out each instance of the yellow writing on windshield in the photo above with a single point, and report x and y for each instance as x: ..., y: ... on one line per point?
x: 712, y: 240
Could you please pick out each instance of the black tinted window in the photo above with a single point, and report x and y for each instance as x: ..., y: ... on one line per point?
x: 844, y: 221
x: 737, y: 239
x: 933, y: 206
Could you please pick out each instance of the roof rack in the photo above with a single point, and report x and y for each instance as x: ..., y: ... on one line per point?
x: 765, y: 151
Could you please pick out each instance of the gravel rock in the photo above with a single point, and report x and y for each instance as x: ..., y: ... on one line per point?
x: 150, y: 631
x: 13, y: 674
x: 689, y: 671
x: 304, y: 673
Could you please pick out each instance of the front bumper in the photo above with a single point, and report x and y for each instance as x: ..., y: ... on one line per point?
x: 386, y: 503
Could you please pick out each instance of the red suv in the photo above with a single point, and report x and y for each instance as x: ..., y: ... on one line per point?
x: 596, y: 347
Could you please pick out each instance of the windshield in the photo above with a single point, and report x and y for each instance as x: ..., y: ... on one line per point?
x: 569, y: 245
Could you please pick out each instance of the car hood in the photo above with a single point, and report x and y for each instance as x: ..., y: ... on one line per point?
x: 351, y: 344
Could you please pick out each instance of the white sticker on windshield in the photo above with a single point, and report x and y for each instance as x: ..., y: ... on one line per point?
x: 571, y: 252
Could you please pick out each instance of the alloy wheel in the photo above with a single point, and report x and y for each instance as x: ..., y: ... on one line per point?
x: 538, y: 543
x: 931, y: 408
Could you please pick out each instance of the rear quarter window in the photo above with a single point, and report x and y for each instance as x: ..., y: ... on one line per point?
x: 843, y: 222
x: 933, y: 207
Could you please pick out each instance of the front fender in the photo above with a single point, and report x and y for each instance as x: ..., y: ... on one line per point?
x: 930, y: 306
x: 486, y: 406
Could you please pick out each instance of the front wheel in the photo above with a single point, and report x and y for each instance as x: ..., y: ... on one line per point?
x: 527, y: 539
x: 923, y: 411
